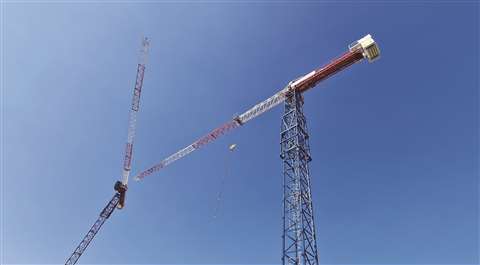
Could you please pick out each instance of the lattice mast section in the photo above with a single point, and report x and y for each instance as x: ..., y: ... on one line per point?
x: 299, y: 238
x: 104, y: 215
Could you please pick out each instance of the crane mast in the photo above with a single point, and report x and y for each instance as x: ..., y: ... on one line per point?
x: 104, y: 215
x: 120, y: 187
x: 365, y: 48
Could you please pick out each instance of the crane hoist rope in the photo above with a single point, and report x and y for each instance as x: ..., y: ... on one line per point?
x: 231, y: 149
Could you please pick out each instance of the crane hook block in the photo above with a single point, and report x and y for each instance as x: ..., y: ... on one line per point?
x: 122, y: 190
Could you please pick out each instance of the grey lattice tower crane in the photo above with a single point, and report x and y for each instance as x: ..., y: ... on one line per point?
x: 120, y: 187
x: 299, y: 237
x: 299, y: 234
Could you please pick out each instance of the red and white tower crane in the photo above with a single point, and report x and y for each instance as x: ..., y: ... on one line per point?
x: 299, y: 235
x: 120, y: 187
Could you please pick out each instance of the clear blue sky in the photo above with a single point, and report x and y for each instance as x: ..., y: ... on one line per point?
x: 394, y: 143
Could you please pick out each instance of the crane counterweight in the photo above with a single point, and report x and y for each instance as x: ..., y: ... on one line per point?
x: 367, y: 46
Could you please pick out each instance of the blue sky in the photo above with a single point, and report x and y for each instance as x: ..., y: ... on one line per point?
x: 394, y: 143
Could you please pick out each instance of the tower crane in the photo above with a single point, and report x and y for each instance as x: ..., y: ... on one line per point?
x: 299, y: 234
x: 364, y: 48
x: 120, y: 187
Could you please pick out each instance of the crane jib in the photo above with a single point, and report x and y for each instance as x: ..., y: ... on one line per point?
x: 363, y: 48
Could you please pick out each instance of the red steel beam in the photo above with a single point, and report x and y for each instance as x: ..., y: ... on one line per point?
x: 335, y: 66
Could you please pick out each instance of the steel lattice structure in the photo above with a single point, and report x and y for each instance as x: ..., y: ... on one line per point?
x: 120, y: 187
x: 104, y: 215
x: 299, y: 239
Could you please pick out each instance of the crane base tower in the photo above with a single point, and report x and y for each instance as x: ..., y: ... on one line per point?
x: 299, y: 239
